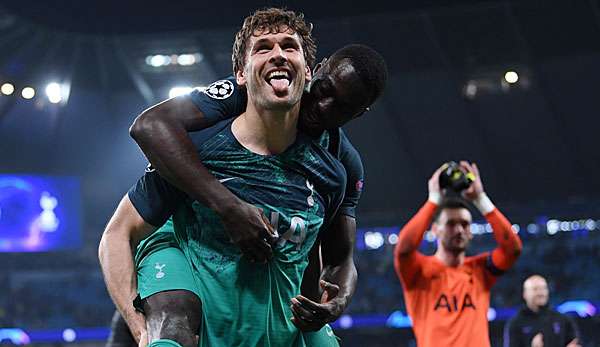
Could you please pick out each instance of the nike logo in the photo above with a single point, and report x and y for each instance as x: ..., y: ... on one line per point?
x: 223, y: 180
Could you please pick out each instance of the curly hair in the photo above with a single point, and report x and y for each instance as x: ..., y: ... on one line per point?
x: 273, y: 20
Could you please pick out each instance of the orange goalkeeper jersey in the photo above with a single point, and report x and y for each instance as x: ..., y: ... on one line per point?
x: 449, y: 305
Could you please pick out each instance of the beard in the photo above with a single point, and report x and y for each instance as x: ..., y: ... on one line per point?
x: 454, y: 245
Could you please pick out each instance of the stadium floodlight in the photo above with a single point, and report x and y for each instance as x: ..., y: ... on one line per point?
x: 492, y: 314
x: 346, y: 321
x: 374, y: 240
x: 183, y: 59
x: 7, y: 89
x: 159, y: 60
x: 54, y: 92
x: 393, y: 239
x: 533, y: 228
x: 511, y: 77
x: 28, y: 93
x: 590, y: 224
x: 471, y: 90
x: 186, y: 59
x: 179, y: 90
x: 552, y: 226
x: 69, y: 335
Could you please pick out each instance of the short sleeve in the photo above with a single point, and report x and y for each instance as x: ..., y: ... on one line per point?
x: 154, y: 198
x: 221, y: 100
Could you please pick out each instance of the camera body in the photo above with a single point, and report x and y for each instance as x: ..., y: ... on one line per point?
x: 454, y: 178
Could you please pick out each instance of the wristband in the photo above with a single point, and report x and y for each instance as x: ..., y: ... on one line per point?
x: 484, y: 204
x: 435, y: 197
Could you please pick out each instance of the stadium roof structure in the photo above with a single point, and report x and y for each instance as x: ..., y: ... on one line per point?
x: 446, y: 99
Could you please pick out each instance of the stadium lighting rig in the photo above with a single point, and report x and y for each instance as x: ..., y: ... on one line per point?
x: 55, y: 92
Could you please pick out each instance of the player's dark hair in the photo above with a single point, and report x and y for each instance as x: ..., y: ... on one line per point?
x: 450, y: 203
x: 273, y: 20
x: 369, y: 65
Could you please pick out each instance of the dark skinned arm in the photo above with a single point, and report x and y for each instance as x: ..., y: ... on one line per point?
x: 338, y: 278
x: 162, y: 134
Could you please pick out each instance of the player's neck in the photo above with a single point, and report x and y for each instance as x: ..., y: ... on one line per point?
x: 450, y: 258
x: 266, y: 132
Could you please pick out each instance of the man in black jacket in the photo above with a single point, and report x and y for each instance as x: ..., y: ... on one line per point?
x: 537, y: 325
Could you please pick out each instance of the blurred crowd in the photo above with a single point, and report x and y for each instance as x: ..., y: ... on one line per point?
x: 63, y: 296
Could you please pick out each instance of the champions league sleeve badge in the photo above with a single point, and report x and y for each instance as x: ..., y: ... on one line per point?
x: 219, y: 90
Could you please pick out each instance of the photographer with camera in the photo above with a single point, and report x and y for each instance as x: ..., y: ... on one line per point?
x: 447, y: 294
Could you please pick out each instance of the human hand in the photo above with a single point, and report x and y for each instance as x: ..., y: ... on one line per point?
x: 312, y: 316
x: 475, y: 190
x: 248, y: 228
x: 433, y: 185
